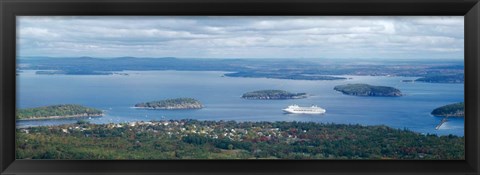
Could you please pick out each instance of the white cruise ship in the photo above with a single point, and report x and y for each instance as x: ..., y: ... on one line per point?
x: 295, y: 109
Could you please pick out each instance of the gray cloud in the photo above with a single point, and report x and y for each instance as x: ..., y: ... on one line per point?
x: 243, y: 37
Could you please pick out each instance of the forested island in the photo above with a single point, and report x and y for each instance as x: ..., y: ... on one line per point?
x: 57, y: 112
x: 171, y: 104
x: 368, y: 90
x: 451, y: 110
x: 273, y: 95
x: 192, y: 139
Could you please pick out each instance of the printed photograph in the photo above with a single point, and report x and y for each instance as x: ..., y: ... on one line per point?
x: 240, y: 87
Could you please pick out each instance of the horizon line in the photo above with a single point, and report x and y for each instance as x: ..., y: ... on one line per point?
x: 249, y: 58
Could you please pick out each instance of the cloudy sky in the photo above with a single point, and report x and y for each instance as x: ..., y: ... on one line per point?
x: 243, y: 37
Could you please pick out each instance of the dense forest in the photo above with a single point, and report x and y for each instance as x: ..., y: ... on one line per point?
x: 192, y: 139
x: 451, y: 110
x: 175, y: 103
x: 368, y: 90
x: 273, y: 95
x: 57, y: 111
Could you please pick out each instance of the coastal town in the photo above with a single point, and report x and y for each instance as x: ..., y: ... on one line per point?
x: 193, y: 139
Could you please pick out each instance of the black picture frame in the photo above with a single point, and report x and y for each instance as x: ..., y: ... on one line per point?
x: 9, y: 9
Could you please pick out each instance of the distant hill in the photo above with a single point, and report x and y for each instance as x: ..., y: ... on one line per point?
x: 273, y: 95
x: 86, y: 65
x: 451, y: 110
x: 368, y: 90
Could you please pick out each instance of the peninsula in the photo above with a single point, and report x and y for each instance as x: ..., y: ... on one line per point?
x: 283, y: 75
x: 451, y: 110
x: 272, y: 95
x: 458, y: 78
x: 170, y: 104
x: 71, y: 72
x: 57, y: 112
x: 368, y: 90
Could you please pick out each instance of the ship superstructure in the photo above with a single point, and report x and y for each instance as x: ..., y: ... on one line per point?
x: 295, y: 109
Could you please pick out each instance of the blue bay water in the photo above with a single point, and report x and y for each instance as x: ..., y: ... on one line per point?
x: 116, y: 94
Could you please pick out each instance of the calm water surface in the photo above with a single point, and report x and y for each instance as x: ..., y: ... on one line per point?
x: 116, y: 94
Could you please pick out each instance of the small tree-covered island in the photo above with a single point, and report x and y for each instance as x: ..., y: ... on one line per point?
x: 57, y: 112
x: 273, y: 95
x: 451, y: 110
x: 171, y: 104
x: 368, y: 90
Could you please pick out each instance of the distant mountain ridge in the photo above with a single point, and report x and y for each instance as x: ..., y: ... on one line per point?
x: 296, y: 69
